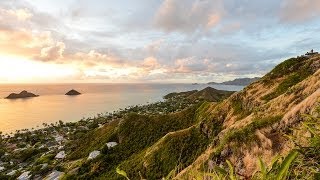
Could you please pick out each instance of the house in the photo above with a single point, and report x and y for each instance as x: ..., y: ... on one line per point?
x: 11, y: 173
x: 93, y: 154
x: 60, y: 155
x: 111, y: 144
x: 54, y: 175
x: 24, y: 176
x: 59, y: 138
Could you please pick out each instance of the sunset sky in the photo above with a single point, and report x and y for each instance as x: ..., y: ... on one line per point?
x: 185, y: 41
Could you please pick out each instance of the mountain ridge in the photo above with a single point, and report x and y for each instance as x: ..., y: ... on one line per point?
x: 243, y: 127
x: 248, y: 108
x: 232, y: 134
x: 238, y: 81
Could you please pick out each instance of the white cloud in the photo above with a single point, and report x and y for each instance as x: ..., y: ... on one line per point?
x: 53, y: 53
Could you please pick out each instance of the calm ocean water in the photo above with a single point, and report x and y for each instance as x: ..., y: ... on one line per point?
x: 52, y: 105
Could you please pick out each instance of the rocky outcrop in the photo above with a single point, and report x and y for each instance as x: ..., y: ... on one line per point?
x: 22, y: 94
x: 72, y: 93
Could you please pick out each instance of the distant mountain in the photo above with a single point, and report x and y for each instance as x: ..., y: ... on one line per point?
x: 238, y: 81
x: 208, y: 94
x: 179, y: 94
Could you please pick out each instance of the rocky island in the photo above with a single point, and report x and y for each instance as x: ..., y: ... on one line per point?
x: 72, y: 93
x: 22, y: 94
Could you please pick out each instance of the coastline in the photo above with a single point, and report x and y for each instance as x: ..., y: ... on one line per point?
x: 99, y: 99
x: 53, y: 140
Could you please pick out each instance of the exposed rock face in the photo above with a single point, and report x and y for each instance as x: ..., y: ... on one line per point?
x: 72, y: 93
x: 23, y: 94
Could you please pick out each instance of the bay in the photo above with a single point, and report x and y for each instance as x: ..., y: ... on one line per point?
x: 52, y: 105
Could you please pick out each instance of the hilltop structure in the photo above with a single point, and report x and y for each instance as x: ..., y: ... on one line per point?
x: 311, y: 53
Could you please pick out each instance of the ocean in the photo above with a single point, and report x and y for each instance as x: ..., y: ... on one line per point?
x: 52, y: 105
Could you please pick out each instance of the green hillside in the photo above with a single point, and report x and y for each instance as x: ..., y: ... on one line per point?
x: 265, y: 131
x: 247, y: 125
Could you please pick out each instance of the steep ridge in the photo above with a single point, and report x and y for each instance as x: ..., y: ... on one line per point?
x: 247, y: 125
x: 138, y: 137
x: 210, y: 94
x: 207, y: 94
x: 254, y: 120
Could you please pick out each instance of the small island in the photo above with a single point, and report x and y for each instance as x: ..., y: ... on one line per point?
x: 72, y: 93
x: 22, y: 94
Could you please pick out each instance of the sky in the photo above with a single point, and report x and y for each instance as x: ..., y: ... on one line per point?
x: 168, y: 41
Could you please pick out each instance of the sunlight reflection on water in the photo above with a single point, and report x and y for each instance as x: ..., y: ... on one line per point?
x: 52, y: 105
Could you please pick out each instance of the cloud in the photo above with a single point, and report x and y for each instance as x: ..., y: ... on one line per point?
x: 150, y: 63
x: 14, y: 14
x: 23, y: 42
x: 230, y: 28
x: 190, y: 65
x: 188, y: 16
x: 52, y: 53
x: 299, y: 10
x: 94, y: 58
x: 11, y: 19
x: 151, y: 39
x: 21, y: 14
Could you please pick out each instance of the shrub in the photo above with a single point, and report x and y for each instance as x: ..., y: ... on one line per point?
x: 247, y: 133
x: 45, y: 159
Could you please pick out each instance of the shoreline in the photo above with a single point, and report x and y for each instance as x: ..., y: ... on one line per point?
x: 37, y: 117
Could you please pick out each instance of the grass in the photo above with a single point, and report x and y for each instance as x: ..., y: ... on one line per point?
x: 307, y: 165
x: 287, y: 67
x: 239, y: 110
x: 91, y: 141
x: 279, y: 170
x: 284, y: 86
x: 293, y: 71
x: 175, y: 151
x: 136, y: 133
x: 246, y: 134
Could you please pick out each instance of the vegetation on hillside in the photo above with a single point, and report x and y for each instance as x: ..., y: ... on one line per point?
x: 303, y: 162
x: 185, y: 136
x: 291, y: 72
x: 136, y: 133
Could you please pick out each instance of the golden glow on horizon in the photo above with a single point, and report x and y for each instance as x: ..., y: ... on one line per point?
x: 110, y: 71
x: 19, y: 70
x: 15, y: 69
